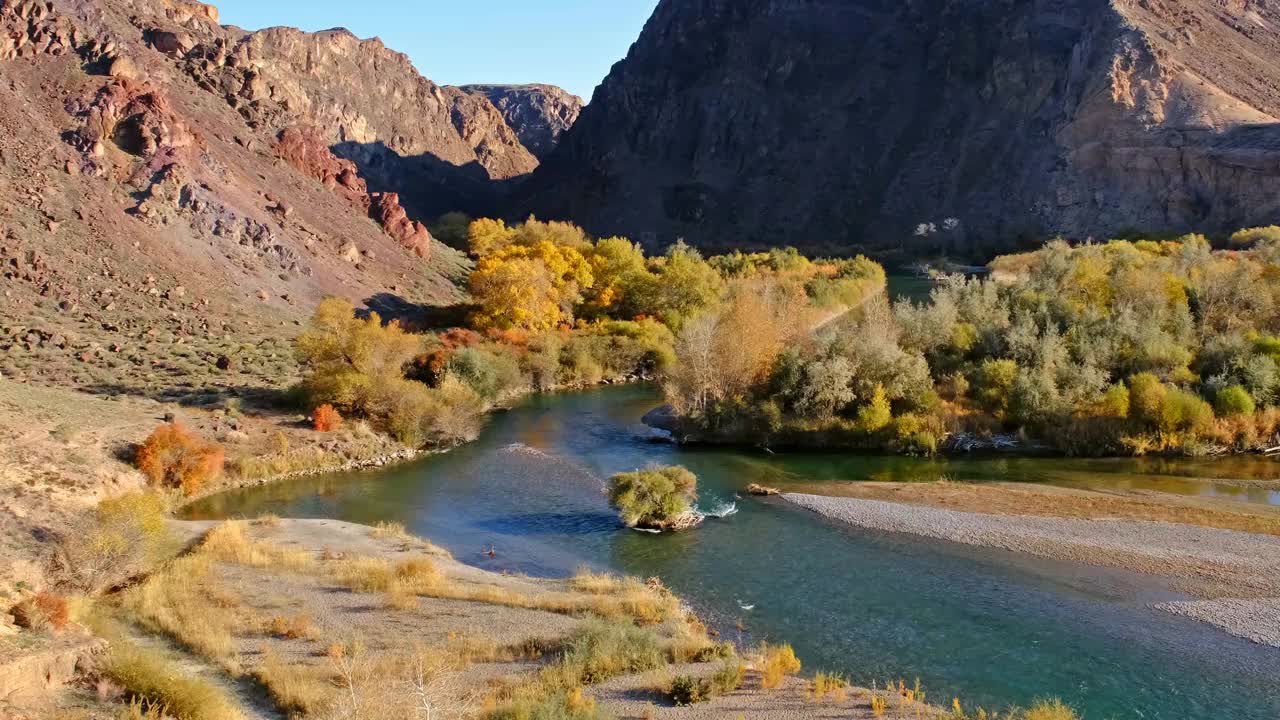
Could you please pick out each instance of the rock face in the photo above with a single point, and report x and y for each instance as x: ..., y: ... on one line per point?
x: 539, y: 114
x: 441, y: 148
x: 162, y: 191
x: 832, y: 124
x: 306, y: 150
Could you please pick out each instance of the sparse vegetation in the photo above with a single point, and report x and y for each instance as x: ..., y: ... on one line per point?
x: 1050, y: 710
x: 148, y: 678
x: 777, y: 662
x: 826, y: 686
x: 122, y: 537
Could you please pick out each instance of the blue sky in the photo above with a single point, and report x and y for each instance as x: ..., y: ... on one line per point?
x: 570, y: 43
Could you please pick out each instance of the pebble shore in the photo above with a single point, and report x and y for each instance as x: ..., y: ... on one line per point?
x: 1214, y: 564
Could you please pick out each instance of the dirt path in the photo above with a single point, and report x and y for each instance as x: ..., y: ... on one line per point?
x: 250, y: 699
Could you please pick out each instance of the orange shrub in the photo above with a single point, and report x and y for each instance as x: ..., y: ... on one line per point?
x: 455, y: 338
x: 515, y: 337
x: 45, y: 610
x: 326, y: 418
x: 173, y: 456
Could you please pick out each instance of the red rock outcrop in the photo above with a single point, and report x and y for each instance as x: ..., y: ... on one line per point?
x: 413, y: 235
x: 441, y: 148
x: 306, y: 150
x: 140, y: 120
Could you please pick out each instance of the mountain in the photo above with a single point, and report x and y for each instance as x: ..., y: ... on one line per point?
x: 439, y: 147
x: 539, y: 114
x: 176, y: 195
x: 960, y: 124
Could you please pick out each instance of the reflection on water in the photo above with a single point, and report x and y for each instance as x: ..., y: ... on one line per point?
x: 988, y: 626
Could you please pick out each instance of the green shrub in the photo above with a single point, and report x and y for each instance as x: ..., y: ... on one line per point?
x: 351, y: 363
x: 493, y: 376
x: 1233, y: 400
x: 1146, y: 398
x: 876, y: 414
x: 728, y: 678
x: 993, y: 384
x: 447, y: 415
x: 452, y: 229
x: 653, y: 497
x: 1184, y: 411
x: 1115, y: 402
x: 688, y: 690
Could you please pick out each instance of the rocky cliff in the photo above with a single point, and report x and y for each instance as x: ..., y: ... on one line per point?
x: 441, y: 148
x: 539, y: 114
x: 171, y: 208
x: 929, y: 124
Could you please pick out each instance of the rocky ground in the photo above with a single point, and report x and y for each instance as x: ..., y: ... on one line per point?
x: 1237, y: 574
x: 62, y: 451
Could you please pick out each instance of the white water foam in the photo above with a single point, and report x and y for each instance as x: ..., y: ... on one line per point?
x: 722, y: 509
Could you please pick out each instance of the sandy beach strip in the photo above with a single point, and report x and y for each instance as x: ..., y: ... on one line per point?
x: 1235, y: 574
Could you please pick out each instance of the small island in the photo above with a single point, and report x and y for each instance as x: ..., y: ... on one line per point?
x: 656, y: 498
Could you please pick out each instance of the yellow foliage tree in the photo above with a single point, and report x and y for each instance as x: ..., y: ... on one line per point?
x: 615, y: 262
x: 352, y: 363
x: 486, y: 236
x: 533, y: 287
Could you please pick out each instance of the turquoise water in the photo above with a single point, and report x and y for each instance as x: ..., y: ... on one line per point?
x: 991, y: 627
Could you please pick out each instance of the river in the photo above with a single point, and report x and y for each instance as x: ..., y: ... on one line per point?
x: 990, y: 627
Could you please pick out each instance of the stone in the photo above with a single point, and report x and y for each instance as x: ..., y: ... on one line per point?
x: 123, y: 68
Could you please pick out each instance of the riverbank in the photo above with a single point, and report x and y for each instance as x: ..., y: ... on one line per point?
x: 277, y: 618
x: 1234, y: 575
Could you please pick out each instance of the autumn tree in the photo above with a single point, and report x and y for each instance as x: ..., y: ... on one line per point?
x: 534, y: 287
x: 355, y: 364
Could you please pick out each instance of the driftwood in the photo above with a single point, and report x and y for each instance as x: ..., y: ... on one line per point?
x: 968, y: 442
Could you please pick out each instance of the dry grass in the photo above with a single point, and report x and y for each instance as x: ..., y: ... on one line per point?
x: 282, y: 464
x: 598, y: 651
x: 180, y: 602
x: 777, y: 662
x: 1049, y: 501
x: 825, y: 686
x: 228, y: 543
x: 296, y: 687
x: 1050, y: 710
x: 148, y: 678
x: 291, y: 627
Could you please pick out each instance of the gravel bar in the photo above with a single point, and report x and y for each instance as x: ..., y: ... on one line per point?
x: 1236, y: 573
